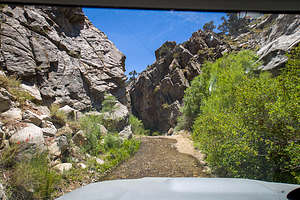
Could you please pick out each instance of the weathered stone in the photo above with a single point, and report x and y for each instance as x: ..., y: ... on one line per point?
x: 2, y: 73
x: 58, y: 146
x: 70, y: 112
x: 44, y: 110
x: 33, y: 91
x: 170, y: 131
x: 2, y: 192
x: 59, y: 51
x: 48, y: 128
x: 63, y: 167
x: 30, y: 134
x: 118, y: 117
x: 64, y: 131
x: 54, y: 149
x: 273, y: 54
x: 2, y: 136
x: 99, y: 161
x: 12, y: 114
x: 5, y: 102
x: 82, y: 166
x: 62, y: 142
x: 103, y: 130
x: 126, y: 133
x: 79, y: 138
x: 31, y: 117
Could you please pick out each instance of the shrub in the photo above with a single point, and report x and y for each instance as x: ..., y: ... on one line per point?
x: 58, y: 116
x: 108, y: 103
x: 248, y: 124
x: 12, y: 84
x: 111, y: 142
x: 118, y: 155
x: 137, y: 126
x: 203, y: 85
x: 89, y: 124
x: 21, y: 95
x: 7, y: 156
x: 9, y: 82
x: 156, y: 133
x: 35, y: 176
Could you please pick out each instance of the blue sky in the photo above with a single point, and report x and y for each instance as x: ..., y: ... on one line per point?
x: 138, y: 33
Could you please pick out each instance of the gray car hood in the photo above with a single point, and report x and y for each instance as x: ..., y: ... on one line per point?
x: 183, y: 189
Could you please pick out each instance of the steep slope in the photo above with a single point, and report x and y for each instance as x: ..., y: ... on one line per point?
x: 60, y: 52
x: 157, y: 93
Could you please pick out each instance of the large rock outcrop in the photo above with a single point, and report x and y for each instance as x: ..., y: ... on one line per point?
x: 60, y: 52
x: 157, y: 93
x: 272, y: 36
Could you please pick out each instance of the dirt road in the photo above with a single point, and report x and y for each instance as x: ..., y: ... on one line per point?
x: 160, y: 157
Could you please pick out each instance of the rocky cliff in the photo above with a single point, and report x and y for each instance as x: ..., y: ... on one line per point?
x: 156, y: 95
x: 53, y: 64
x: 59, y: 53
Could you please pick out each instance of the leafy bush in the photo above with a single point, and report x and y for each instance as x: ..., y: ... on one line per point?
x: 9, y: 82
x: 117, y: 155
x: 112, y: 142
x: 205, y: 83
x: 248, y: 124
x: 58, y: 116
x: 108, y: 103
x: 89, y: 124
x: 35, y: 176
x: 156, y: 133
x: 137, y: 126
x: 7, y: 156
x: 12, y: 84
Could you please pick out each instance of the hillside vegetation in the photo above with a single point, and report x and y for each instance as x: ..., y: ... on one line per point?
x: 246, y: 121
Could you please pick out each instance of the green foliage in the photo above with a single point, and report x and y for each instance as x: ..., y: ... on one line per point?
x: 248, y: 124
x: 58, y: 116
x: 116, y: 154
x: 137, y: 126
x: 156, y: 133
x: 205, y: 83
x: 234, y: 24
x: 9, y: 82
x: 209, y: 26
x: 8, y: 156
x: 111, y: 142
x: 90, y: 125
x: 108, y: 103
x: 12, y: 84
x: 132, y: 75
x: 35, y: 176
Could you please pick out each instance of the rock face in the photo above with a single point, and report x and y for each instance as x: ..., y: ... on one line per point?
x: 273, y: 35
x: 31, y: 134
x: 59, y: 51
x: 5, y: 101
x: 157, y: 93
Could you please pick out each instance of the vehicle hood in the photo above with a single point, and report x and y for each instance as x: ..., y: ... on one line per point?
x: 182, y: 189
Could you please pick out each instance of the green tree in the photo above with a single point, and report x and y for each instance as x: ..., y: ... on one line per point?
x: 234, y: 24
x: 133, y: 74
x: 248, y: 125
x: 209, y: 26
